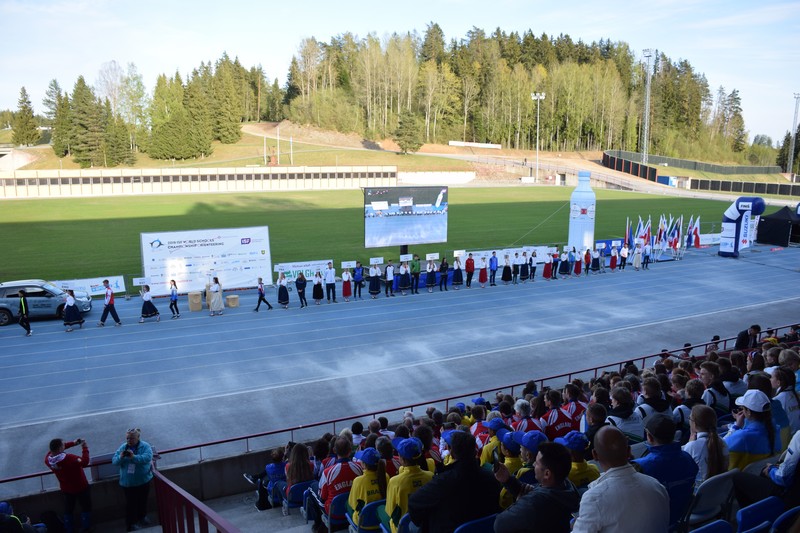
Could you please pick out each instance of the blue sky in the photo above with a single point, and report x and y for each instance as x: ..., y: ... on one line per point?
x: 750, y: 46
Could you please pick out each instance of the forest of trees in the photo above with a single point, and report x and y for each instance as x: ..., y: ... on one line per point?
x: 417, y: 88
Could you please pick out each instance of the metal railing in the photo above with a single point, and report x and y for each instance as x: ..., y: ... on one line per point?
x: 180, y: 512
x: 296, y: 432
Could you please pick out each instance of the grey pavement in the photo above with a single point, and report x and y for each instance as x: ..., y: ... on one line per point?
x: 202, y: 378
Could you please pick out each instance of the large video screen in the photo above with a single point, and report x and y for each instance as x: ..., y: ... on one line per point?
x: 394, y: 216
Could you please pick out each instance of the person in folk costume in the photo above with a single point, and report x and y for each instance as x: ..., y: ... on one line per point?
x: 72, y: 315
x: 430, y: 277
x: 148, y: 308
x: 547, y: 272
x: 374, y: 281
x: 347, y: 284
x: 637, y: 257
x: 283, y: 291
x: 405, y: 278
x: 215, y: 305
x: 578, y: 265
x: 458, y: 274
x: 316, y: 292
x: 516, y: 263
x: 507, y: 275
x: 533, y: 261
x: 596, y: 261
x: 388, y: 275
x: 614, y: 257
x: 524, y: 268
x: 444, y: 269
x: 483, y: 275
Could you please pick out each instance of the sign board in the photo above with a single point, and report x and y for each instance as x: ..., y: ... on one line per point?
x: 138, y: 282
x: 93, y: 286
x: 432, y: 257
x: 459, y: 253
x: 376, y: 260
x: 238, y: 256
x: 349, y: 264
x: 406, y: 257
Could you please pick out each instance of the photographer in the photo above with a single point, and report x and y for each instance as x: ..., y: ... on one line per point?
x: 68, y: 469
x: 134, y: 459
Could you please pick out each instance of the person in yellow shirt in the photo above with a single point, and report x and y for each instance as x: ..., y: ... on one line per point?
x: 412, y: 476
x: 494, y: 425
x: 511, y: 450
x: 529, y: 443
x: 369, y: 486
x: 581, y: 473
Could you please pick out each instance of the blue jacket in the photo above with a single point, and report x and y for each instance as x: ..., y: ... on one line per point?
x: 676, y: 470
x: 134, y: 471
x: 493, y: 263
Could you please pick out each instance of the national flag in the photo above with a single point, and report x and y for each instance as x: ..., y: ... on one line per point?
x: 647, y: 231
x: 638, y: 233
x: 675, y: 233
x: 696, y: 231
x: 627, y: 237
x: 689, y: 232
x: 667, y: 232
x: 662, y: 222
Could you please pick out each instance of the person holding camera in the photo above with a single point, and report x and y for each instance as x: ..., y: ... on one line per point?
x: 68, y: 469
x: 134, y: 459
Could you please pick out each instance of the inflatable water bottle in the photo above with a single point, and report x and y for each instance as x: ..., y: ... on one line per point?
x: 581, y: 214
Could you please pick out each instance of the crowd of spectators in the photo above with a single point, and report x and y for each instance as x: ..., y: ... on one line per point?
x: 546, y: 457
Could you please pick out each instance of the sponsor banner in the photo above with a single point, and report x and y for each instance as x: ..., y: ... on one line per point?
x: 308, y: 268
x: 747, y: 231
x: 93, y: 286
x: 710, y: 239
x: 238, y: 256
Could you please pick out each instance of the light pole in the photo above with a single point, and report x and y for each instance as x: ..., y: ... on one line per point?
x: 538, y: 97
x: 794, y: 132
x: 646, y: 133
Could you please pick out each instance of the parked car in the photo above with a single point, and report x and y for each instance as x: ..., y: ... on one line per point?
x: 44, y: 300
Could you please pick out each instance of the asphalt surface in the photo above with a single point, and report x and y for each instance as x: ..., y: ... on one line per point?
x: 202, y: 378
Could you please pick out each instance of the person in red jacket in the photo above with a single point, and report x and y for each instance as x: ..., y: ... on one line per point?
x: 470, y: 268
x: 68, y: 469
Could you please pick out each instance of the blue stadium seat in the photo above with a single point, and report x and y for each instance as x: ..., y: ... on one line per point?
x: 711, y: 501
x: 402, y: 526
x: 753, y: 517
x: 784, y: 522
x: 718, y: 526
x: 338, y: 508
x: 480, y: 525
x: 367, y: 519
x: 763, y: 527
x: 295, y: 497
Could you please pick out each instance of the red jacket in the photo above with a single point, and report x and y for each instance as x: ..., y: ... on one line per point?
x: 68, y: 468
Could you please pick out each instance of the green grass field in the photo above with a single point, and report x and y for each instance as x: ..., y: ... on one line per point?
x: 87, y: 237
x: 689, y: 173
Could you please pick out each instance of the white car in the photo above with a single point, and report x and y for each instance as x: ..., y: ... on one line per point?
x: 44, y: 300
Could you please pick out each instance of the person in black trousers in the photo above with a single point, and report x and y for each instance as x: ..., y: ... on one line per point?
x: 444, y: 268
x: 23, y: 314
x: 261, y: 297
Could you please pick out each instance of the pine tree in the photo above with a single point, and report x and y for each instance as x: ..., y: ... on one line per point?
x: 51, y: 98
x: 87, y: 126
x: 408, y: 135
x: 225, y: 117
x: 200, y: 131
x: 24, y: 125
x: 62, y: 127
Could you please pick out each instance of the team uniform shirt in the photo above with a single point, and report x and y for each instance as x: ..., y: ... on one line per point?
x: 575, y: 408
x: 486, y: 452
x: 632, y: 425
x: 477, y: 428
x: 337, y: 479
x: 720, y: 403
x: 783, y: 473
x: 698, y: 449
x: 68, y: 468
x: 790, y: 404
x: 400, y: 488
x: 513, y: 464
x: 364, y: 490
x: 393, y: 466
x: 109, y: 296
x: 528, y: 424
x: 261, y: 289
x: 557, y: 423
x: 583, y: 473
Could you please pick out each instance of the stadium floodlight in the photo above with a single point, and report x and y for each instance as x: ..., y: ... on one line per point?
x: 538, y: 97
x: 794, y: 132
x: 648, y: 53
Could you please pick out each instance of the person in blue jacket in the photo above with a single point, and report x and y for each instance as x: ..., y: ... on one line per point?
x: 669, y: 464
x: 775, y: 479
x: 492, y: 269
x: 134, y: 459
x: 754, y: 436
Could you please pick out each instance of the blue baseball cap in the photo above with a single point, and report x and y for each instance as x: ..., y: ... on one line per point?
x: 410, y: 448
x: 5, y: 508
x: 532, y: 439
x: 447, y: 435
x: 574, y: 440
x: 461, y: 407
x: 495, y: 423
x: 480, y: 400
x: 368, y: 456
x: 511, y: 441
